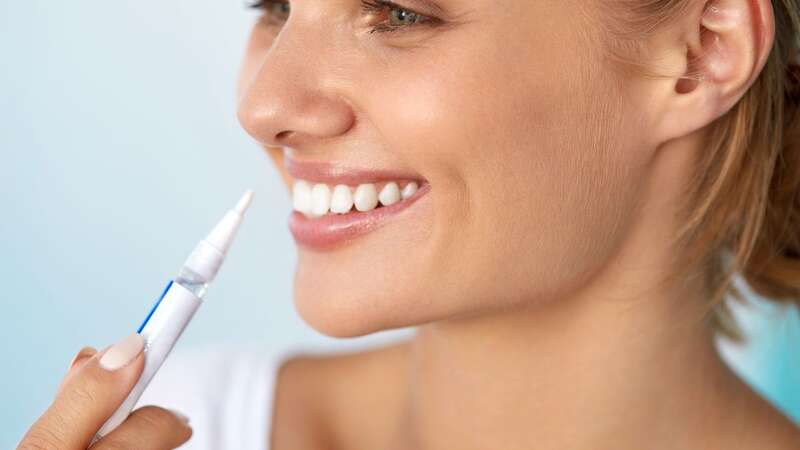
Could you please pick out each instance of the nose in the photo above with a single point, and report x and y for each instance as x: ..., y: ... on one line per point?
x: 291, y: 99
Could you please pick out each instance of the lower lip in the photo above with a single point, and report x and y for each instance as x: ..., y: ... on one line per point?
x: 332, y: 230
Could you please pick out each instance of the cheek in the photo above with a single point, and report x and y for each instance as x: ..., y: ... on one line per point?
x: 533, y: 172
x: 531, y: 169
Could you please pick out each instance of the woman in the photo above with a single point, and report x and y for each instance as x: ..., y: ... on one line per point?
x: 557, y: 193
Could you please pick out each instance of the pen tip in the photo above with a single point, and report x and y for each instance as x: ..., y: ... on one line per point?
x: 244, y: 202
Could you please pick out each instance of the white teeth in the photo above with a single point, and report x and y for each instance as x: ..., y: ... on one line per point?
x: 320, y: 199
x: 341, y: 200
x: 366, y: 197
x: 301, y: 196
x: 390, y: 194
x: 409, y: 190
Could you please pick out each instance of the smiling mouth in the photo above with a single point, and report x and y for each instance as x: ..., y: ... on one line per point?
x: 315, y: 200
x: 333, y: 205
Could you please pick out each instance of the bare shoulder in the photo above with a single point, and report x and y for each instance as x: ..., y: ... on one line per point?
x: 334, y: 397
x: 345, y: 379
x: 336, y: 370
x: 779, y: 434
x: 787, y: 433
x: 754, y: 423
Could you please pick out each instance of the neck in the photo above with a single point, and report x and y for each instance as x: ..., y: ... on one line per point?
x: 598, y: 377
x: 624, y: 363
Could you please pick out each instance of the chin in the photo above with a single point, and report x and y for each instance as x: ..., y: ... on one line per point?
x: 353, y: 315
x: 348, y: 293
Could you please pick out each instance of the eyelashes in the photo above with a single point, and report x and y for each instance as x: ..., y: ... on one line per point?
x: 274, y: 11
x: 397, y: 17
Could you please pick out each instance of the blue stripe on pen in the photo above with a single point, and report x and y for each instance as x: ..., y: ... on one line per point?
x: 150, y: 314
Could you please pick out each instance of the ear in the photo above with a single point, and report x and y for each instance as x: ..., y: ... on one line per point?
x: 723, y: 50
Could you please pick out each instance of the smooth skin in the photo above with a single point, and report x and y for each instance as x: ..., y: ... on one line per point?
x: 87, y: 397
x: 532, y: 270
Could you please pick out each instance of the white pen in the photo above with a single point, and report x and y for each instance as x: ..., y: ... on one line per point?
x: 174, y: 309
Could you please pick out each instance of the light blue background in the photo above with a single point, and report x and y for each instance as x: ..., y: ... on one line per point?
x: 120, y: 148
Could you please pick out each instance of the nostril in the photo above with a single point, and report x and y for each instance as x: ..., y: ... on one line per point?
x: 283, y: 134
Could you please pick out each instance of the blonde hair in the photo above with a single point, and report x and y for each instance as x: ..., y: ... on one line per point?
x: 742, y: 214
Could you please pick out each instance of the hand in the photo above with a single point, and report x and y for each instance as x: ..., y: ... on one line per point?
x: 95, y: 385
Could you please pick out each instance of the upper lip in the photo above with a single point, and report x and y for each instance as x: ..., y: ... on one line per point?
x: 330, y: 173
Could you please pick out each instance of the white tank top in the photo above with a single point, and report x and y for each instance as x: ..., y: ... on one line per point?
x: 227, y: 395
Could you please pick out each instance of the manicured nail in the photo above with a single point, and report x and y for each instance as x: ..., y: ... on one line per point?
x: 123, y: 352
x: 180, y: 415
x: 83, y: 353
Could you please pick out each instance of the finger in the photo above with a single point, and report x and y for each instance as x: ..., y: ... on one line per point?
x: 90, y: 395
x: 148, y: 428
x: 77, y: 361
x: 82, y: 356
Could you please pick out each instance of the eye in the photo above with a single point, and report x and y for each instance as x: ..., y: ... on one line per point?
x: 275, y: 11
x: 396, y: 17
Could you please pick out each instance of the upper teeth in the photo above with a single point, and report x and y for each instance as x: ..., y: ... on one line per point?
x: 318, y: 199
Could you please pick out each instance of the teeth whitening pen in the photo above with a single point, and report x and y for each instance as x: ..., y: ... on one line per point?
x: 174, y: 309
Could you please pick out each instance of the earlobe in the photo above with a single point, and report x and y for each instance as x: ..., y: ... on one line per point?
x: 725, y: 53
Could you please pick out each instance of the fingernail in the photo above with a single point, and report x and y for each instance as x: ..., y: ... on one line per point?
x: 83, y: 353
x: 123, y: 352
x: 180, y: 415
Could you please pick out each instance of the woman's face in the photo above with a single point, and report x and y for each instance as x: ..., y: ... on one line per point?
x: 529, y: 148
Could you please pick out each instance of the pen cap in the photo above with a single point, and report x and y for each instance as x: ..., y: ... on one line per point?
x: 221, y: 237
x: 204, y: 261
x: 209, y: 254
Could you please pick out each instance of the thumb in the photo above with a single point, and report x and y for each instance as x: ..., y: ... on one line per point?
x: 88, y: 396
